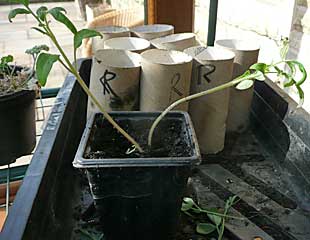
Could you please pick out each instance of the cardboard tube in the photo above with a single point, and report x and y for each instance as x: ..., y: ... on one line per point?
x: 152, y: 31
x: 179, y: 41
x: 165, y: 78
x: 114, y: 80
x: 132, y: 44
x: 240, y: 101
x: 211, y: 67
x: 108, y: 32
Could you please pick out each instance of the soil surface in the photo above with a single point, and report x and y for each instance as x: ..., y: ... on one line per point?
x: 170, y: 139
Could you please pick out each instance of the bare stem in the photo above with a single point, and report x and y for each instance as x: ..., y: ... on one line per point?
x: 197, y: 95
x: 74, y: 71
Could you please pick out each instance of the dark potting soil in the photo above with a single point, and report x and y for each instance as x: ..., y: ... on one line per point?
x: 169, y: 139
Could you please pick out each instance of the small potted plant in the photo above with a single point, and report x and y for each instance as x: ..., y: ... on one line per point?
x: 138, y: 188
x: 17, y: 105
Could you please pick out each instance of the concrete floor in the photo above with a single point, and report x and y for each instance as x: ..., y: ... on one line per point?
x: 18, y: 36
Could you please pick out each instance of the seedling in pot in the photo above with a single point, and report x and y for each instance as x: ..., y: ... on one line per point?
x: 13, y: 78
x: 46, y: 60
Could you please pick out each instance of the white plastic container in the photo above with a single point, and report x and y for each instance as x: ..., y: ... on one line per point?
x: 179, y: 41
x: 211, y: 67
x: 152, y: 31
x: 165, y: 78
x: 132, y: 44
x: 246, y: 52
x: 114, y: 80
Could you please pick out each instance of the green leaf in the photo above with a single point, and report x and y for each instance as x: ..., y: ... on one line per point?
x: 60, y: 17
x: 292, y: 67
x: 205, y: 228
x: 290, y: 82
x: 187, y: 204
x: 261, y: 67
x: 60, y: 9
x: 245, y: 84
x: 7, y: 59
x: 260, y: 76
x: 13, y: 13
x: 44, y: 65
x: 84, y: 33
x: 302, y: 70
x: 37, y: 49
x: 41, y: 12
x: 39, y: 30
x: 301, y: 96
x: 216, y: 219
x: 23, y: 2
x: 245, y: 74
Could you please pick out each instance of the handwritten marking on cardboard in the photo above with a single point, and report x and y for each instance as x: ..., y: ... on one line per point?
x: 174, y: 86
x: 210, y: 69
x: 105, y: 80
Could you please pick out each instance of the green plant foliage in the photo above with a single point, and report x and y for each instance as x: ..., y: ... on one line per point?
x: 41, y: 12
x: 84, y: 33
x: 284, y: 47
x: 44, y: 65
x: 60, y: 17
x: 23, y: 2
x: 245, y: 84
x: 187, y: 204
x: 301, y: 69
x: 261, y: 67
x: 37, y: 49
x: 45, y: 61
x: 13, y: 13
x: 216, y: 217
x: 205, y: 228
x: 88, y: 235
x: 39, y: 30
x: 4, y: 61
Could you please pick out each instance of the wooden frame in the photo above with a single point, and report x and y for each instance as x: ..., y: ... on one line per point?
x: 179, y: 13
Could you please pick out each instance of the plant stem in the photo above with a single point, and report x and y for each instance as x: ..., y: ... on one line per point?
x: 64, y: 65
x: 74, y: 71
x: 188, y: 98
x: 220, y: 214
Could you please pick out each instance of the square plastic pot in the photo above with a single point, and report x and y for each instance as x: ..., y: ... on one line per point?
x: 140, y: 198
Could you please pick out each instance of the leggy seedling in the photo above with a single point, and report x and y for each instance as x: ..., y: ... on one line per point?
x: 46, y: 60
x: 258, y: 72
x: 14, y: 79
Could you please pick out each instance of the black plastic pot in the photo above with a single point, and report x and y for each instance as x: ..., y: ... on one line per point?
x: 17, y: 125
x: 139, y: 198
